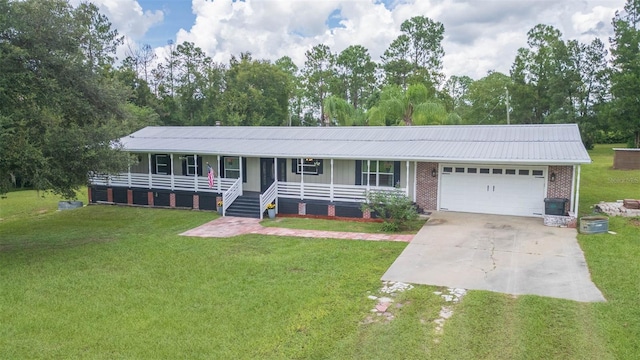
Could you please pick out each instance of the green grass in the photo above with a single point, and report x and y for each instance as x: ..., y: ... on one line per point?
x: 601, y: 183
x: 338, y: 225
x: 26, y: 203
x: 119, y: 282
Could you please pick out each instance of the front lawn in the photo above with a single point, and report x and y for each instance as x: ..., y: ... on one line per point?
x: 118, y: 282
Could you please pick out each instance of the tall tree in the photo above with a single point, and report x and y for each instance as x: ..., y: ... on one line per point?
x: 455, y: 93
x: 97, y: 40
x: 191, y: 64
x: 416, y: 55
x: 625, y: 78
x: 487, y: 97
x: 257, y: 93
x: 59, y: 113
x: 355, y: 75
x: 318, y: 74
x: 297, y: 92
x: 543, y: 76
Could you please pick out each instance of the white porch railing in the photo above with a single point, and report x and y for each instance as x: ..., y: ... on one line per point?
x: 269, y: 196
x: 348, y: 193
x: 155, y: 181
x: 229, y: 196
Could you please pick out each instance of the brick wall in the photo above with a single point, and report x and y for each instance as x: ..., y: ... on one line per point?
x: 427, y: 186
x: 627, y: 159
x: 561, y: 187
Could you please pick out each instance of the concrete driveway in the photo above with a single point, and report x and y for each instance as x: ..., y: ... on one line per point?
x: 507, y: 254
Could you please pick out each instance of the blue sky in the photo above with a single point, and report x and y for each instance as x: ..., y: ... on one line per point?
x: 177, y: 15
x: 480, y: 35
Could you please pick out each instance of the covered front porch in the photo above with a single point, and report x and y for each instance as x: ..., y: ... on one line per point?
x: 230, y: 177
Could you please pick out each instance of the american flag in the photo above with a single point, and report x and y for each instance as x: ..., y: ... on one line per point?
x: 210, y: 175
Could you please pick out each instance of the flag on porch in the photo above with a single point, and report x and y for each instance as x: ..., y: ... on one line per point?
x: 210, y: 175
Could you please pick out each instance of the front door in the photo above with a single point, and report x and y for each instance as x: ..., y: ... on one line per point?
x: 267, y: 174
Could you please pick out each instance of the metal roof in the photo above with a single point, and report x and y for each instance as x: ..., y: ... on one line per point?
x: 534, y: 144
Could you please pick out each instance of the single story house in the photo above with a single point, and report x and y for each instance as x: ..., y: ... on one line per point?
x: 493, y: 169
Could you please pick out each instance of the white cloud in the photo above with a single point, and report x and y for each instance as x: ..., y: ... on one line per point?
x: 127, y: 16
x: 479, y: 35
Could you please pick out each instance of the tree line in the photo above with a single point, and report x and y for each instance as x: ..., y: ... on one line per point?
x: 65, y: 97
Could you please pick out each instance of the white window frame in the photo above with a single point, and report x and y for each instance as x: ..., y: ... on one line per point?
x: 230, y: 171
x: 166, y: 164
x: 308, y: 166
x: 192, y: 167
x: 366, y: 175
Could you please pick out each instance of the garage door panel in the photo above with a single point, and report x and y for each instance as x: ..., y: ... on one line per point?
x: 504, y: 190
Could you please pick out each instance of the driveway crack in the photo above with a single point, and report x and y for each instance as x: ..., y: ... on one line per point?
x: 492, y: 257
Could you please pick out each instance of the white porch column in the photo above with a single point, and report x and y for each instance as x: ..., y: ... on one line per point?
x: 149, y: 156
x: 241, y: 174
x: 301, y: 166
x: 577, y: 192
x: 172, y: 179
x: 331, y: 187
x: 219, y: 177
x: 368, y: 177
x: 407, y: 189
x: 573, y: 190
x: 275, y: 171
x: 195, y: 173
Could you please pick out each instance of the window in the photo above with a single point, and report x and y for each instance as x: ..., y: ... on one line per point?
x: 447, y: 169
x: 523, y: 172
x: 379, y: 174
x: 497, y: 171
x: 460, y: 170
x: 510, y: 171
x: 192, y: 167
x: 484, y: 171
x: 537, y: 172
x: 472, y: 170
x: 231, y: 167
x: 308, y: 166
x: 162, y: 164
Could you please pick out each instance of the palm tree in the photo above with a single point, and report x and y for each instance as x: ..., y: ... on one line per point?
x: 416, y: 106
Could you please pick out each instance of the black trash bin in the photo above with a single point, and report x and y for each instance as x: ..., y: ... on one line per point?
x: 555, y: 206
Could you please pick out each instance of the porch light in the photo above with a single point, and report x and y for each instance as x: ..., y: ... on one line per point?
x: 434, y: 172
x: 552, y: 178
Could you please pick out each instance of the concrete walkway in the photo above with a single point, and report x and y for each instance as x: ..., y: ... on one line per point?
x: 229, y: 226
x: 507, y: 254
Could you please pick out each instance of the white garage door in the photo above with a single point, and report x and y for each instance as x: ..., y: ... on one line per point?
x: 492, y: 189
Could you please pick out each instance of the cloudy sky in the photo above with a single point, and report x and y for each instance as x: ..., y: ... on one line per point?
x: 480, y: 35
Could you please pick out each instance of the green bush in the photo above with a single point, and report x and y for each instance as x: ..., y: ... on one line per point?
x: 394, y: 207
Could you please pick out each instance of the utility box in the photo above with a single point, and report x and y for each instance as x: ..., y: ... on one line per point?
x: 555, y: 206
